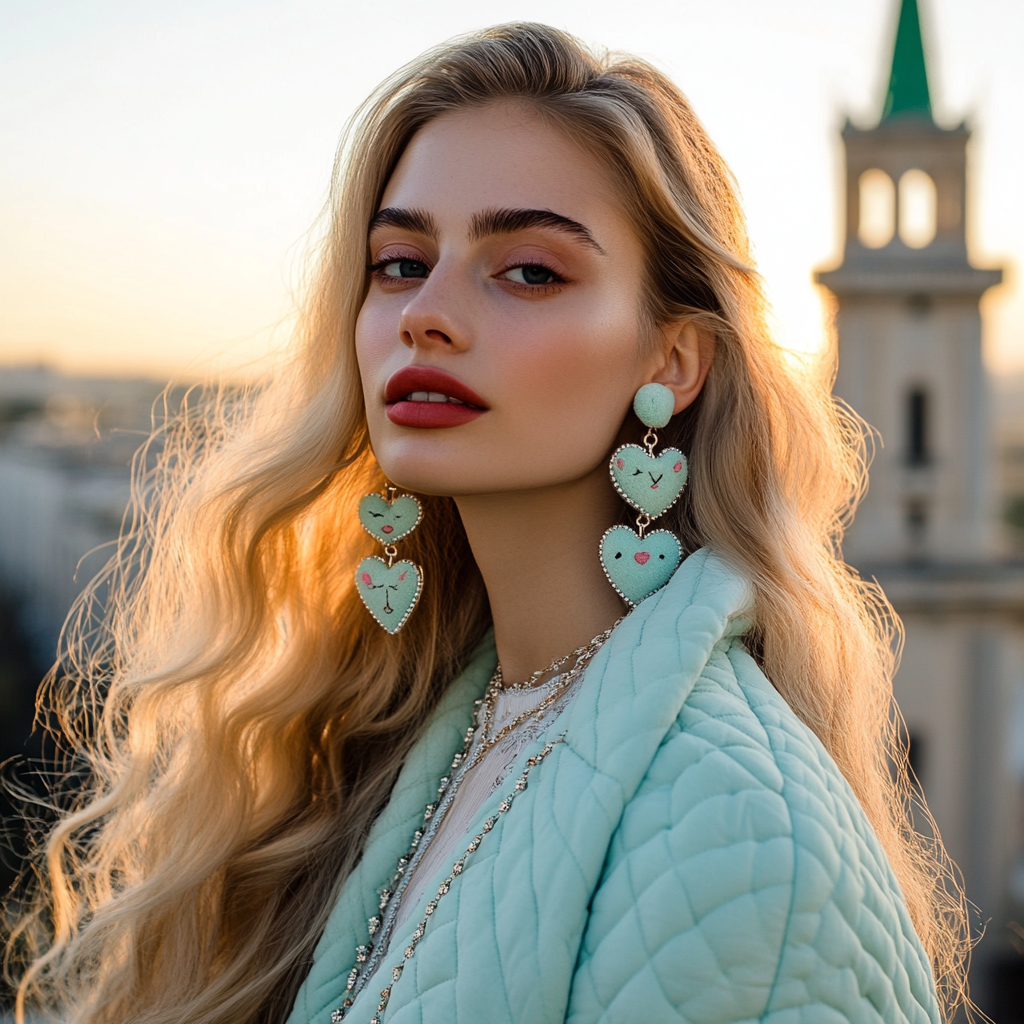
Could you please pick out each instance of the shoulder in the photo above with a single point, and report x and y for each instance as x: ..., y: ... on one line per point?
x: 749, y: 870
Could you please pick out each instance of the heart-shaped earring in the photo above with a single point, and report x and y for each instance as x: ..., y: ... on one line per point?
x: 389, y: 520
x: 390, y: 590
x: 650, y: 483
x: 637, y: 566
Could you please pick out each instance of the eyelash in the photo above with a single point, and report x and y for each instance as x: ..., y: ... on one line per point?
x: 535, y: 289
x: 377, y: 270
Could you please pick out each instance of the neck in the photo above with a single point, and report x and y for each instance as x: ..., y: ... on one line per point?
x: 538, y: 553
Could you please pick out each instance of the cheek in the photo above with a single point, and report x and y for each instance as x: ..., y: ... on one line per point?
x: 576, y: 373
x: 375, y: 340
x: 375, y: 344
x: 568, y: 389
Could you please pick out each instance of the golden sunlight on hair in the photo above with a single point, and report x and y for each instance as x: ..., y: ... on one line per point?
x: 241, y: 719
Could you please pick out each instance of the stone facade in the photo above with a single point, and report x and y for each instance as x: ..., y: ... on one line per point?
x: 910, y: 363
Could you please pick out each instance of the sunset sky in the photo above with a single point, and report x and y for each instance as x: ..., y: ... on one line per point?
x: 162, y: 163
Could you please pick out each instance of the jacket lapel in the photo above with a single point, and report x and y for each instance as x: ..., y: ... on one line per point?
x: 503, y: 945
x: 389, y: 838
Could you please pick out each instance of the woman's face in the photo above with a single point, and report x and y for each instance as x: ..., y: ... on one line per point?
x: 500, y: 343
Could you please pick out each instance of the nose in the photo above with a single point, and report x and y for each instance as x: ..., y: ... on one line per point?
x: 431, y: 319
x: 424, y: 339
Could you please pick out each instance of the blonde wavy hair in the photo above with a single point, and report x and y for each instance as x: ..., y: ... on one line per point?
x: 233, y: 718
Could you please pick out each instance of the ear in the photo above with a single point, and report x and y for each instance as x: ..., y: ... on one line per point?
x: 687, y: 351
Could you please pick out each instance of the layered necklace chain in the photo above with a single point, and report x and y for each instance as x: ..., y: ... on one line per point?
x: 562, y: 683
x: 368, y: 955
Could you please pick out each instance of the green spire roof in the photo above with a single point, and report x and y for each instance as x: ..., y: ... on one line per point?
x: 908, y: 80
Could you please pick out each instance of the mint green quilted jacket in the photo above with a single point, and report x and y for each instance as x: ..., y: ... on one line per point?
x: 689, y: 852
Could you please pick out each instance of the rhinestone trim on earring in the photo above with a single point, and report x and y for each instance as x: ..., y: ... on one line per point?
x: 639, y: 563
x: 389, y: 590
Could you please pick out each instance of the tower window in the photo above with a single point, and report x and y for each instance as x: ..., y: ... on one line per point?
x: 918, y: 446
x: 877, y: 222
x: 917, y: 209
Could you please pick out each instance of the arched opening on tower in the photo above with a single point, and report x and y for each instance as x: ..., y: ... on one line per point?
x: 877, y: 219
x: 917, y: 206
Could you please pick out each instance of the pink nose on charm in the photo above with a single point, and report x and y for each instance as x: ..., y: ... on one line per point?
x: 387, y: 529
x: 642, y: 557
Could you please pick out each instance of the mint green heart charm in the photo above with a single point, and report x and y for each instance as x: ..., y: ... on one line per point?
x: 389, y: 594
x: 389, y: 521
x: 637, y: 567
x: 650, y: 483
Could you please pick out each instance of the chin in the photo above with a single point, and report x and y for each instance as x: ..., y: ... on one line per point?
x: 424, y: 467
x: 427, y: 469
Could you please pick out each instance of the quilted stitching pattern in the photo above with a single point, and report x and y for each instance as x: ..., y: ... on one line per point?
x: 389, y: 839
x: 689, y: 853
x: 749, y: 880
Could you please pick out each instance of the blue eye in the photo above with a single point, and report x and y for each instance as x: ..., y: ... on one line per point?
x: 532, y: 274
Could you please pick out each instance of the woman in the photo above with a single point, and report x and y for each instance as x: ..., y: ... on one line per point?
x: 525, y: 798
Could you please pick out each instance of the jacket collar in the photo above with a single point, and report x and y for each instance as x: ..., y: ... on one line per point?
x: 631, y: 693
x: 637, y: 683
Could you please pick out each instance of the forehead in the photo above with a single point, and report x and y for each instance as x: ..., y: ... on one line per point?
x: 504, y: 155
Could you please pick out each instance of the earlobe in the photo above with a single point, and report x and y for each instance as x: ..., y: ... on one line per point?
x: 688, y: 351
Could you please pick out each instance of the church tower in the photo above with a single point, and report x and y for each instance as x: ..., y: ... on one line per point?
x: 909, y: 327
x: 910, y: 362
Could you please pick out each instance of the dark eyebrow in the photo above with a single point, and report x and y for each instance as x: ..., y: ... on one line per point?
x: 411, y: 220
x: 506, y: 222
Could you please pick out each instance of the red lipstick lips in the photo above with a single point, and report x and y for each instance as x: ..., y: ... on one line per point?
x: 423, y: 396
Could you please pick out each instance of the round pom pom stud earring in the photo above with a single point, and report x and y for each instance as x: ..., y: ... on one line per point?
x: 390, y: 590
x: 638, y: 563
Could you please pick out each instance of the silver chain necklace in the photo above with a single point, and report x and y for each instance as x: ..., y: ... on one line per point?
x: 581, y: 654
x: 369, y: 954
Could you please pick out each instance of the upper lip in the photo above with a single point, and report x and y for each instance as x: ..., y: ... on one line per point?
x: 429, y: 378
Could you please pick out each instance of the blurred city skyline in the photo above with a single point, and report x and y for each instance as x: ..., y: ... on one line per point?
x: 164, y: 164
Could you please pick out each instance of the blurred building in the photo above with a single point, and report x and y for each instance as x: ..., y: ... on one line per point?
x: 66, y: 446
x: 930, y: 529
x: 1009, y: 426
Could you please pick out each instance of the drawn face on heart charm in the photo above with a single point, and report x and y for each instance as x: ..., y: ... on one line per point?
x: 390, y: 595
x: 637, y: 568
x: 389, y: 522
x: 650, y: 483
